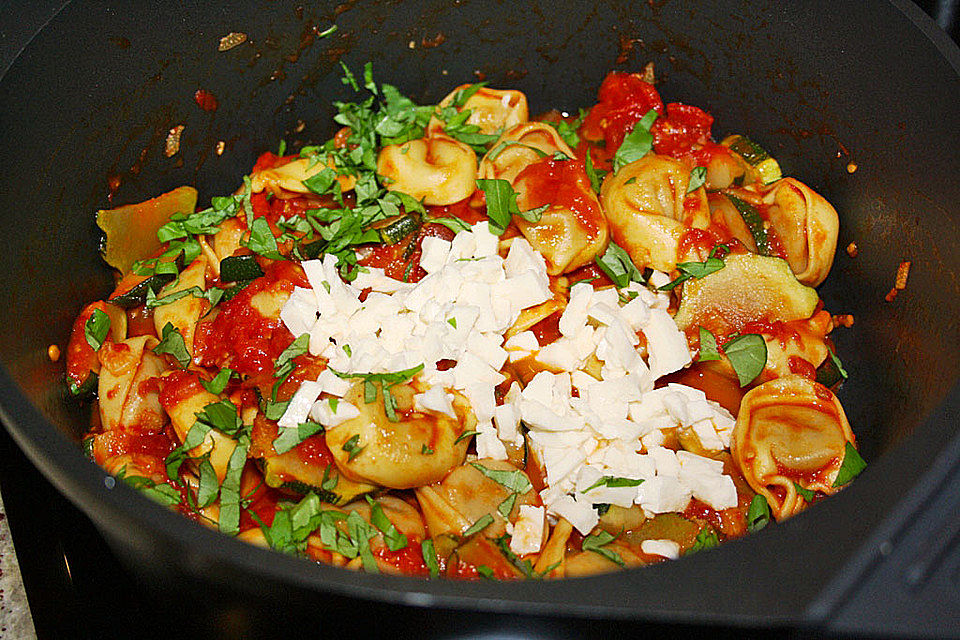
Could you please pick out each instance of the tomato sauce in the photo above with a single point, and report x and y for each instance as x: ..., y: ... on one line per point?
x: 561, y: 183
x: 623, y: 99
x: 547, y: 330
x: 240, y: 337
x: 408, y: 560
x: 177, y: 386
x: 314, y: 451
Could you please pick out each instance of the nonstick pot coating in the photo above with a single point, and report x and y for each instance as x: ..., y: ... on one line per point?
x: 820, y: 85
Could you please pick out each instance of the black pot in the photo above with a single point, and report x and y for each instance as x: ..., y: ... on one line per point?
x: 823, y: 86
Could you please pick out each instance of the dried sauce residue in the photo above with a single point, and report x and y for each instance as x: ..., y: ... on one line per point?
x: 853, y: 250
x: 231, y: 40
x: 903, y: 271
x: 172, y: 145
x: 433, y: 42
x: 206, y: 100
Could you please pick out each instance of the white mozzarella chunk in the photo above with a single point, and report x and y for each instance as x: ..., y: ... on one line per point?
x: 521, y: 258
x: 330, y: 412
x: 528, y: 530
x: 653, y: 439
x: 581, y: 515
x: 485, y: 241
x: 663, y: 494
x: 299, y: 312
x: 559, y: 355
x: 666, y: 344
x: 574, y: 316
x: 521, y: 345
x: 434, y: 253
x: 435, y: 399
x: 666, y: 461
x: 299, y: 407
x: 706, y: 480
x: 664, y: 548
x: 333, y: 384
x: 488, y: 444
x: 507, y: 419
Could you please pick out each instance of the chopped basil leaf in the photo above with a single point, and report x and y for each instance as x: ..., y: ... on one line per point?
x: 425, y: 450
x: 747, y: 355
x: 465, y: 435
x: 501, y: 203
x: 524, y: 566
x: 391, y: 535
x: 430, y: 557
x: 758, y: 515
x: 515, y: 481
x: 568, y: 131
x: 602, y: 508
x: 326, y: 32
x: 807, y: 494
x: 171, y: 342
x: 360, y: 532
x: 613, y: 482
x: 619, y: 267
x: 688, y: 270
x: 209, y: 487
x: 560, y: 156
x: 284, y: 364
x: 595, y: 175
x: 222, y: 416
x: 497, y: 150
x: 273, y: 410
x: 454, y: 224
x: 478, y: 526
x: 162, y: 493
x: 462, y: 95
x: 211, y: 295
x: 485, y: 571
x: 506, y: 507
x: 576, y: 282
x: 708, y: 346
x: 452, y: 322
x: 533, y: 215
x: 219, y: 382
x: 96, y: 328
x: 262, y: 240
x: 637, y: 143
x: 597, y: 543
x: 851, y: 466
x: 706, y: 539
x: 290, y: 437
x: 230, y: 488
x: 698, y: 176
x: 350, y: 446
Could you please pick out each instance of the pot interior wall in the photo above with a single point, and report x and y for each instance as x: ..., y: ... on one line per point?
x: 89, y: 104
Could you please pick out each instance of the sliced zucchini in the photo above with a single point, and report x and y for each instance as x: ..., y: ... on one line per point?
x: 828, y: 374
x: 289, y: 471
x: 137, y: 294
x: 751, y: 217
x: 766, y: 167
x: 131, y: 230
x: 749, y: 288
x: 399, y: 228
x: 237, y: 268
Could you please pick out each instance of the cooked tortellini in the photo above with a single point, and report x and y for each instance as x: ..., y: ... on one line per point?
x: 806, y: 225
x: 289, y: 177
x: 418, y: 448
x: 468, y: 493
x: 437, y: 170
x: 520, y: 146
x: 572, y: 231
x: 790, y: 432
x: 476, y: 346
x: 124, y: 367
x: 649, y: 211
x: 493, y: 110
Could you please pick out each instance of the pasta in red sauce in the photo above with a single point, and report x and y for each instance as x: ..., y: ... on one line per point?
x: 456, y: 341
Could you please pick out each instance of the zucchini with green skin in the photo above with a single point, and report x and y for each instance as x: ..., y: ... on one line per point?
x: 399, y: 228
x: 288, y: 471
x: 238, y: 268
x: 760, y: 162
x: 751, y: 217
